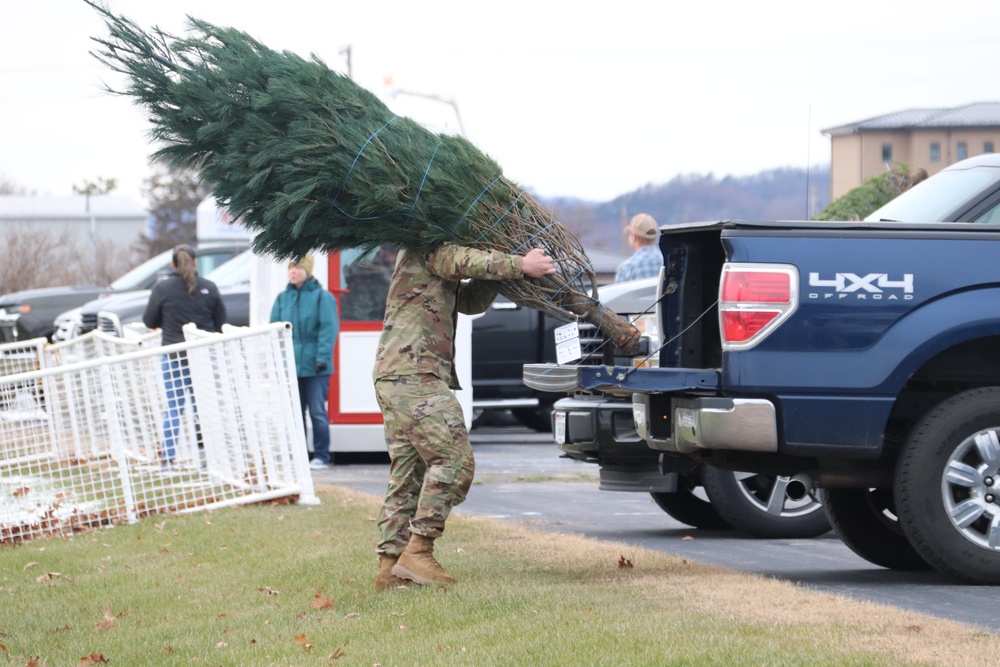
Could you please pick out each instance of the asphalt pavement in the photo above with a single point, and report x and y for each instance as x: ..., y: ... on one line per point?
x: 521, y: 478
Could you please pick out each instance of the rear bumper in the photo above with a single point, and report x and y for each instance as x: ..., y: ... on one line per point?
x: 600, y: 429
x: 694, y: 423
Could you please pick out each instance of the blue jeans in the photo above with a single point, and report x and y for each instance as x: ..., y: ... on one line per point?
x: 177, y: 381
x: 313, y: 391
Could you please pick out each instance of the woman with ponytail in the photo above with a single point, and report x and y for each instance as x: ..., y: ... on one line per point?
x: 182, y: 297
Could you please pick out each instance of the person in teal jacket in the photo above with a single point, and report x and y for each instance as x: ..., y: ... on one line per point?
x: 313, y: 315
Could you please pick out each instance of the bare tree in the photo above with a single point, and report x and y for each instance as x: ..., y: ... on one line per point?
x: 101, y: 187
x: 33, y: 258
x: 174, y: 197
x: 9, y: 187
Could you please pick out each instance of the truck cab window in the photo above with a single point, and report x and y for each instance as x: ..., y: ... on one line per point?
x: 366, y: 282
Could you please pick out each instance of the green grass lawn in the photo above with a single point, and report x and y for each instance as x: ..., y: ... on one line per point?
x: 292, y: 585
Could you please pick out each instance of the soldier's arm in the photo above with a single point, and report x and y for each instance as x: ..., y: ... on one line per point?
x: 455, y: 262
x: 484, y: 268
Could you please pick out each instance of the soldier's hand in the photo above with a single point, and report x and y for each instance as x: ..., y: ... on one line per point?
x: 537, y: 264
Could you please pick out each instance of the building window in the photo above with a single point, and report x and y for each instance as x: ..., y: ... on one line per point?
x: 935, y: 152
x: 886, y: 152
x: 962, y: 150
x: 987, y: 146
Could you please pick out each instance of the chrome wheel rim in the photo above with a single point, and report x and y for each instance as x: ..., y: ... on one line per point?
x: 970, y: 488
x: 779, y: 495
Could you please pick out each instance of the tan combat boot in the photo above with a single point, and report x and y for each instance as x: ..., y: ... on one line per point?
x: 417, y: 563
x: 385, y: 579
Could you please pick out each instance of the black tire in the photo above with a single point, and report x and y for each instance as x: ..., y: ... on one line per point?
x: 948, y: 486
x: 479, y: 417
x: 537, y: 419
x: 688, y: 508
x: 865, y: 519
x: 767, y: 506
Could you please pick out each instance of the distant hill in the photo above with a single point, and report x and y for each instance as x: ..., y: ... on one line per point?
x: 777, y: 194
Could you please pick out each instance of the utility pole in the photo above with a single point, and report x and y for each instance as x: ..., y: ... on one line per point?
x: 346, y: 52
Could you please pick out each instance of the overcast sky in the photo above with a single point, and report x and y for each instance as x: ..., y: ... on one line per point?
x: 572, y: 99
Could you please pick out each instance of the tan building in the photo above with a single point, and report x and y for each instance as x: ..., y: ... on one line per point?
x: 928, y: 138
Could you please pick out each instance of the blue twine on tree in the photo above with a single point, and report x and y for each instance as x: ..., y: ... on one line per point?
x: 533, y: 236
x: 422, y: 181
x: 475, y: 201
x: 358, y: 156
x: 335, y: 205
x: 502, y: 216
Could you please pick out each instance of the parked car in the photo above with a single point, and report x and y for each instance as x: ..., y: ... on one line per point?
x: 121, y: 315
x: 83, y: 318
x: 599, y: 428
x: 504, y: 338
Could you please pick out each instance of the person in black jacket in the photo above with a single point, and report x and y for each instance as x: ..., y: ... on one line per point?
x: 181, y: 298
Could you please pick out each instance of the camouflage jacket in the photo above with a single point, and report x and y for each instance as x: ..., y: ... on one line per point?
x: 425, y: 297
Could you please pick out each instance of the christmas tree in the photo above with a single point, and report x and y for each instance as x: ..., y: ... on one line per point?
x: 307, y: 159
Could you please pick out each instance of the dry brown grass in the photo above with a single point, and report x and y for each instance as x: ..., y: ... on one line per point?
x: 678, y: 586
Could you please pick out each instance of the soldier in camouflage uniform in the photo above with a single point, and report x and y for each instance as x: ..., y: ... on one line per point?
x: 432, y: 463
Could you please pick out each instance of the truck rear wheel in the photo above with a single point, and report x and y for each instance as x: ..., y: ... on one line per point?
x: 765, y: 506
x: 688, y: 508
x: 948, y: 486
x: 865, y: 520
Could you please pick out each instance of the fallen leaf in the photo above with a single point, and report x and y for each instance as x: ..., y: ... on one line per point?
x: 23, y: 491
x: 269, y: 590
x: 93, y: 659
x: 303, y: 642
x: 4, y: 649
x: 353, y: 614
x: 48, y: 575
x: 29, y: 566
x: 624, y: 563
x: 338, y: 652
x: 33, y: 662
x: 222, y: 645
x: 404, y: 628
x: 321, y: 602
x: 108, y: 622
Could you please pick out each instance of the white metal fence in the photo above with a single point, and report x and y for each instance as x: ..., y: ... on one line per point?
x: 86, y: 438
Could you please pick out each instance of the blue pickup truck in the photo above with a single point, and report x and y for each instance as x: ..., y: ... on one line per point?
x: 865, y: 355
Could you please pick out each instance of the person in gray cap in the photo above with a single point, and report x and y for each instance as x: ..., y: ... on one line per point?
x: 646, y: 260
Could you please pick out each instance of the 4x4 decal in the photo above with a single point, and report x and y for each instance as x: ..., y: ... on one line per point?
x: 873, y: 286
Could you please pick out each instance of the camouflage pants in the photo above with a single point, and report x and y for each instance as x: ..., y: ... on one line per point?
x: 432, y: 463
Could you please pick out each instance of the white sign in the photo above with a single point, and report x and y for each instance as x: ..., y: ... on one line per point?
x: 568, y: 343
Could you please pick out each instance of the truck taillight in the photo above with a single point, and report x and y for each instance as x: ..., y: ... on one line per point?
x: 753, y: 300
x: 740, y: 286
